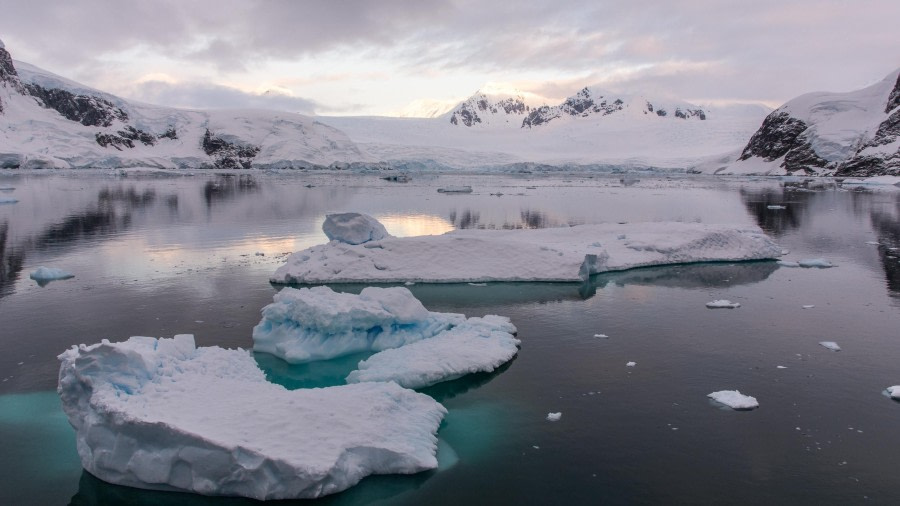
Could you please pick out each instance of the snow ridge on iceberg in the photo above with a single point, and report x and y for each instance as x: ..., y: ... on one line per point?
x: 163, y: 414
x: 308, y: 324
x: 550, y: 254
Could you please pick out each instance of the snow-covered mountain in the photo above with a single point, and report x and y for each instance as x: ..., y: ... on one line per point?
x: 482, y: 109
x: 845, y: 134
x: 50, y: 121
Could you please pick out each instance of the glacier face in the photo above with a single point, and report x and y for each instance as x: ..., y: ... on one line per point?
x: 164, y: 414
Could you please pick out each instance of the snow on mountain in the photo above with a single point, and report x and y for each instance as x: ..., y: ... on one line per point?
x: 489, y: 109
x: 855, y: 133
x: 49, y: 121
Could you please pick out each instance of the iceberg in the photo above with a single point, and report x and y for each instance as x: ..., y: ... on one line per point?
x: 723, y: 304
x: 734, y: 399
x: 353, y: 228
x: 831, y: 345
x: 549, y: 254
x: 477, y: 345
x: 164, y: 414
x: 894, y: 392
x: 44, y: 275
x: 308, y: 324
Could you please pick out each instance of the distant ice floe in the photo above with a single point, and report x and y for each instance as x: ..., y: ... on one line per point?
x: 734, y: 399
x: 630, y: 364
x: 776, y: 207
x: 808, y: 306
x: 723, y: 304
x: 554, y: 417
x: 164, y: 414
x: 455, y: 189
x: 831, y: 345
x: 476, y: 345
x: 820, y: 263
x: 550, y: 254
x: 44, y: 275
x: 894, y: 392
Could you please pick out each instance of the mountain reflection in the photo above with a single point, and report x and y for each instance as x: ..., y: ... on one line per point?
x: 776, y: 221
x: 887, y: 227
x: 228, y: 186
x: 11, y: 261
x: 528, y: 219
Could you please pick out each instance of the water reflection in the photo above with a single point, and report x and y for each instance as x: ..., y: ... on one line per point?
x: 787, y: 216
x: 528, y: 219
x: 11, y: 261
x: 228, y: 186
x: 887, y: 227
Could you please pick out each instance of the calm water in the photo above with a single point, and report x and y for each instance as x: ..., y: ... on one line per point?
x: 159, y: 255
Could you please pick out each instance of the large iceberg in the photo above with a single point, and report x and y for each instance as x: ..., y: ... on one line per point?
x: 477, y: 345
x: 164, y: 414
x: 550, y: 254
x: 308, y: 324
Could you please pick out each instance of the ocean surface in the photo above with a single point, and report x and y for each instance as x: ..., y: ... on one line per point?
x: 159, y: 254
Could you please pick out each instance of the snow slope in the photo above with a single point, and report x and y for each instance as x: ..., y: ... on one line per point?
x: 50, y: 121
x: 845, y: 134
x: 164, y: 414
x: 549, y: 254
x: 590, y: 128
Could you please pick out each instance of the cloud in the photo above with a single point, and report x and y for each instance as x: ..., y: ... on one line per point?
x: 213, y: 96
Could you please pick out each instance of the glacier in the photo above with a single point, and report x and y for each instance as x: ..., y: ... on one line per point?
x: 549, y: 254
x: 164, y: 414
x: 477, y: 345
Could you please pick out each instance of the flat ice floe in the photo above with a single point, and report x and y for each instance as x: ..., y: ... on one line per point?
x: 734, y: 399
x: 44, y: 275
x: 164, y: 414
x: 477, y: 345
x: 550, y: 254
x: 820, y: 263
x: 723, y: 304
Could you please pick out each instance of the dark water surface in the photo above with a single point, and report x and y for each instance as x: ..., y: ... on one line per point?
x: 158, y: 255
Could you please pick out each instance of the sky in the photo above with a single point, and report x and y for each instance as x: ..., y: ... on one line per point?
x: 415, y: 57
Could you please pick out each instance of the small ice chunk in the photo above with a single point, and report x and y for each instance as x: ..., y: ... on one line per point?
x: 831, y: 345
x: 788, y: 263
x: 820, y: 263
x: 780, y: 367
x: 44, y: 275
x: 809, y: 306
x: 873, y: 243
x: 722, y: 303
x: 631, y: 364
x: 478, y: 284
x: 894, y: 392
x: 601, y: 336
x: 775, y: 207
x: 409, y: 283
x: 554, y: 417
x: 734, y: 399
x: 353, y: 228
x: 455, y: 189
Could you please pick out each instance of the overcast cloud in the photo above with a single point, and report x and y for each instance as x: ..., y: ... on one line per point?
x: 368, y: 57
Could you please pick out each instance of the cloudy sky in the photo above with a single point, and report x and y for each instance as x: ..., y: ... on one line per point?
x: 387, y: 57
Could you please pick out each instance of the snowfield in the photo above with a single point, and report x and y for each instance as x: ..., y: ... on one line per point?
x: 164, y: 414
x: 550, y: 254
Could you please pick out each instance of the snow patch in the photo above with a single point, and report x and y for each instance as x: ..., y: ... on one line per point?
x: 164, y: 414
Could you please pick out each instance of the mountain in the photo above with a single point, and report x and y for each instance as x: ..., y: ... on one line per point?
x: 50, y: 121
x: 855, y: 133
x: 591, y: 102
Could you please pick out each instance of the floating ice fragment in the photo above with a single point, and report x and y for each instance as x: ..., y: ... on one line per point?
x: 809, y: 306
x: 44, y: 275
x: 775, y: 207
x: 820, y: 263
x: 478, y: 284
x: 780, y: 367
x: 353, y: 228
x: 455, y: 189
x: 787, y: 263
x: 894, y: 392
x: 831, y: 345
x: 734, y: 399
x: 476, y: 345
x: 554, y: 417
x: 163, y: 414
x: 873, y: 243
x: 409, y: 283
x: 631, y: 364
x: 722, y: 303
x: 601, y: 336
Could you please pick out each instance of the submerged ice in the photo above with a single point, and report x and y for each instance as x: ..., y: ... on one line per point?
x: 164, y: 414
x: 549, y: 254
